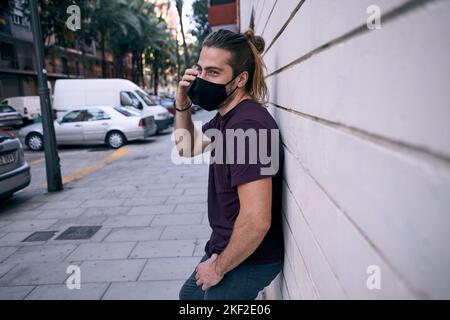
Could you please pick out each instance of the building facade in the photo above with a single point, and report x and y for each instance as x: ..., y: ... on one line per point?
x: 362, y: 105
x: 18, y: 75
x: 222, y: 14
x: 17, y: 65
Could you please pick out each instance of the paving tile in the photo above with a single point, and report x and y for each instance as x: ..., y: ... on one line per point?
x: 169, y: 268
x: 163, y: 248
x: 191, y: 208
x: 128, y: 221
x: 102, y: 203
x: 135, y: 234
x: 177, y: 219
x: 35, y: 273
x: 186, y: 232
x: 45, y: 253
x: 6, y: 252
x: 60, y: 213
x: 185, y: 199
x: 15, y: 293
x: 143, y: 201
x: 151, y: 210
x: 88, y: 291
x: 111, y: 270
x: 66, y: 204
x: 97, y: 251
x: 29, y: 225
x: 4, y: 268
x: 117, y: 211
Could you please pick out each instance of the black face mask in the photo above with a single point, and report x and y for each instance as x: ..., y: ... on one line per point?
x: 208, y: 95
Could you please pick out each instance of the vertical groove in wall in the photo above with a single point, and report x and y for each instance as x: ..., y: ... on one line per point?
x: 260, y: 14
x: 268, y: 18
x: 280, y: 32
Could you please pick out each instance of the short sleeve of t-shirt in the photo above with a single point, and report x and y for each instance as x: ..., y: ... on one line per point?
x: 250, y: 167
x: 209, y: 124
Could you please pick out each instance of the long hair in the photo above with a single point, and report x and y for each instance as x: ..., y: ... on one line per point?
x: 245, y: 49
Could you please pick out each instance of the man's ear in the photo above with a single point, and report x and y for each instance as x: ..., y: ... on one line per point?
x: 242, y: 79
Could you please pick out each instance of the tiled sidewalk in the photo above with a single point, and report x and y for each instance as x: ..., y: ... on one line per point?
x: 153, y: 222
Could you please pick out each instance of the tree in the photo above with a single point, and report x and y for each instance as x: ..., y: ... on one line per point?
x: 113, y: 20
x: 179, y: 5
x: 201, y: 26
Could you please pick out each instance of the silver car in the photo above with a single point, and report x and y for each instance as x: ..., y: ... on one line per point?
x: 91, y: 125
x: 14, y: 170
x: 9, y: 117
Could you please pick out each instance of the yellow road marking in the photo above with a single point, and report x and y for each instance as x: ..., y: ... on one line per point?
x: 96, y: 166
x: 37, y: 161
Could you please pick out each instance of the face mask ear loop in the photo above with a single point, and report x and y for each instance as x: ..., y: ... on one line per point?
x: 234, y: 78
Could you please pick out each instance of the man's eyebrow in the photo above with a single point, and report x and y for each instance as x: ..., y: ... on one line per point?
x: 210, y: 68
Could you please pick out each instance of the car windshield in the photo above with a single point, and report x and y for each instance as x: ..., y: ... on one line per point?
x: 5, y: 136
x: 148, y: 101
x: 6, y: 108
x: 127, y: 112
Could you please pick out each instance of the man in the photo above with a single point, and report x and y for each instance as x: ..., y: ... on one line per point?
x: 245, y: 251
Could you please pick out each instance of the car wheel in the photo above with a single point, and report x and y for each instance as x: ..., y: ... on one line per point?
x: 116, y: 139
x: 35, y: 141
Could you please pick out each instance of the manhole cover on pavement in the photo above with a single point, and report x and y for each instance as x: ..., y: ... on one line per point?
x: 40, y: 236
x: 78, y: 233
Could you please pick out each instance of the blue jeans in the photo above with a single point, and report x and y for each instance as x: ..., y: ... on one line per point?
x: 242, y: 283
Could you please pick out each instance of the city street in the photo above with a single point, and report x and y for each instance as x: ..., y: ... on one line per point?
x: 147, y: 216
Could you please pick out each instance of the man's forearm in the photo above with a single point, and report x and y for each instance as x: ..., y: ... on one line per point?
x: 184, y: 132
x: 246, y: 237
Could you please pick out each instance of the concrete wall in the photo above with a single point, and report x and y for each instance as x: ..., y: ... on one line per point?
x: 365, y: 121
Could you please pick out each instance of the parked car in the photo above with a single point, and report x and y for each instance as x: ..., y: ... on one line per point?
x: 168, y: 104
x: 92, y: 125
x: 9, y: 117
x: 14, y: 170
x: 76, y: 93
x: 29, y: 107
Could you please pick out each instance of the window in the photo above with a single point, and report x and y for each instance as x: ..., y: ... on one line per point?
x: 6, y: 108
x: 146, y: 98
x: 75, y: 116
x: 17, y: 19
x: 127, y: 112
x: 7, y: 51
x: 96, y: 115
x: 129, y: 99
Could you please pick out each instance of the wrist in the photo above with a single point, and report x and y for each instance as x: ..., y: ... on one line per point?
x: 220, y: 271
x: 182, y: 108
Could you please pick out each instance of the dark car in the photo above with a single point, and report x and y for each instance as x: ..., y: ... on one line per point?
x: 168, y: 104
x: 14, y: 170
x: 9, y: 117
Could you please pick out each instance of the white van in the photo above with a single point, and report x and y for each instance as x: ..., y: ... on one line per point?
x: 75, y: 93
x: 29, y: 107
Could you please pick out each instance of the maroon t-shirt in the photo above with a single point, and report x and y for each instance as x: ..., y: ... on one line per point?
x: 224, y: 177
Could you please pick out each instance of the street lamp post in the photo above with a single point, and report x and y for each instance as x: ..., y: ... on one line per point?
x: 52, y: 165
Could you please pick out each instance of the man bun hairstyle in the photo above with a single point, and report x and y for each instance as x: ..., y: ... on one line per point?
x: 246, y: 49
